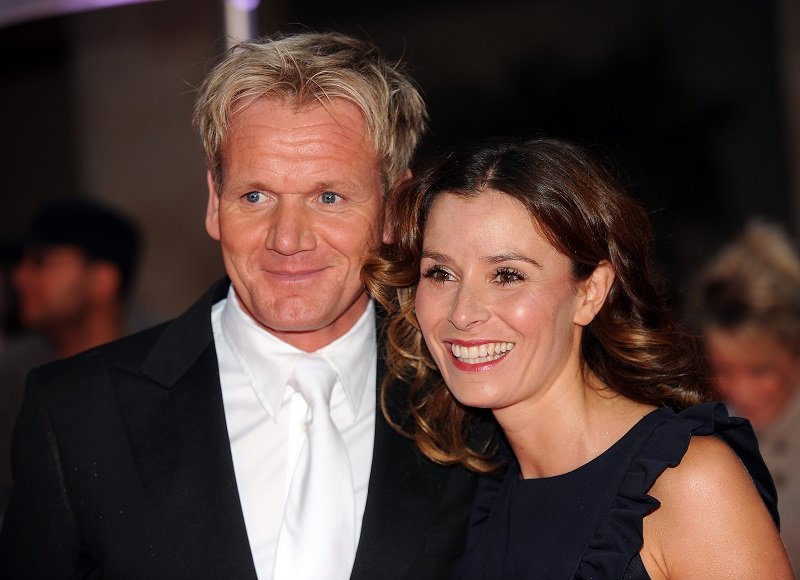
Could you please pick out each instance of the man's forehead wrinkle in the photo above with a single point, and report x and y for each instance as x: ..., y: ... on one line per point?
x: 341, y: 113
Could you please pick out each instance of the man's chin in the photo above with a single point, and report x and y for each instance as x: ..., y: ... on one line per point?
x: 298, y: 323
x: 308, y: 334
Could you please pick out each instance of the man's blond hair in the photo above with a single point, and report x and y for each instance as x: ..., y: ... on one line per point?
x: 308, y: 69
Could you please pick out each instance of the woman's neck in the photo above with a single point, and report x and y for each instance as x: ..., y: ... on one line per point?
x: 567, y: 428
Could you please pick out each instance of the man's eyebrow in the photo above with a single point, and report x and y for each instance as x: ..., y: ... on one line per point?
x: 343, y: 185
x: 511, y: 257
x: 335, y: 184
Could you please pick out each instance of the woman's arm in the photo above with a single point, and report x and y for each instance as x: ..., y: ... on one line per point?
x: 712, y: 523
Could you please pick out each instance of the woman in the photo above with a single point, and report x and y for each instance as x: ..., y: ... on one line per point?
x: 749, y: 303
x: 527, y: 272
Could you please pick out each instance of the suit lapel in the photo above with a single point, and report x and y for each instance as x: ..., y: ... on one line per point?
x: 405, y: 491
x: 174, y: 418
x: 172, y: 411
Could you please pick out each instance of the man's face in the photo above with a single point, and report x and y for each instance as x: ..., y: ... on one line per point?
x: 53, y: 287
x: 299, y: 210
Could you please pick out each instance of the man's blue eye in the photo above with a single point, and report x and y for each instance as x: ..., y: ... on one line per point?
x: 252, y: 196
x: 328, y: 197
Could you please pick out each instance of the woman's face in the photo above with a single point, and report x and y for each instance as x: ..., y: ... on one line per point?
x: 496, y: 303
x: 754, y: 373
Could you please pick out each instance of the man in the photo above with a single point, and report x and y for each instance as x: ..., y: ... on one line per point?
x: 71, y: 282
x: 75, y: 273
x: 177, y: 451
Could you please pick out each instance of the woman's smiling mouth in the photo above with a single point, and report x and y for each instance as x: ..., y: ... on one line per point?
x: 482, y: 353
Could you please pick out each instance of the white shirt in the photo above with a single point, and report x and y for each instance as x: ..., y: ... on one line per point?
x: 266, y: 420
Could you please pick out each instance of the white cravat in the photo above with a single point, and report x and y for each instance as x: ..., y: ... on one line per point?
x: 266, y: 417
x: 317, y: 539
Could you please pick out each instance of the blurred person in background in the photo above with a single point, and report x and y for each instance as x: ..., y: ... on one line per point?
x: 70, y: 281
x: 748, y: 299
x: 9, y: 324
x: 75, y: 274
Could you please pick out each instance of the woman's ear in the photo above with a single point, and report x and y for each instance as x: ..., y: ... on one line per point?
x: 592, y: 293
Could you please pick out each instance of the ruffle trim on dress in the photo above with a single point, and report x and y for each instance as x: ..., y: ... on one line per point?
x: 618, y: 538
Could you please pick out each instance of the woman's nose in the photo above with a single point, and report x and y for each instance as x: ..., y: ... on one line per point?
x: 469, y: 307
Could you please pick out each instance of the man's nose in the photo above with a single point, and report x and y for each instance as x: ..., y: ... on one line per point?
x: 469, y: 307
x: 290, y: 229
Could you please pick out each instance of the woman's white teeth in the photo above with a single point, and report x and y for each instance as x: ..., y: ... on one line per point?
x: 485, y: 352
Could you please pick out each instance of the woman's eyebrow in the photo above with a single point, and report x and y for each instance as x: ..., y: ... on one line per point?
x: 511, y: 257
x: 436, y: 256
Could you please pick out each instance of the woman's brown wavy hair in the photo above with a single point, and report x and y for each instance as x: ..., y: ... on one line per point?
x: 633, y: 345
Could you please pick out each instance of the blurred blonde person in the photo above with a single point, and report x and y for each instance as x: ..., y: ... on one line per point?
x: 750, y: 303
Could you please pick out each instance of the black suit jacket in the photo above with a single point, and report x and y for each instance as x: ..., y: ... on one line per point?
x: 123, y: 469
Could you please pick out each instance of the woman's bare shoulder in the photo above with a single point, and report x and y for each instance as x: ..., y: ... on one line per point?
x: 712, y: 521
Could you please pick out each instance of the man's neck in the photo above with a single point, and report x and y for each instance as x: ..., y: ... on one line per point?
x: 96, y: 329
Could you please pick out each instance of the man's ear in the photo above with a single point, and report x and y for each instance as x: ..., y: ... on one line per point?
x: 592, y: 293
x: 388, y: 238
x: 212, y: 209
x: 105, y: 282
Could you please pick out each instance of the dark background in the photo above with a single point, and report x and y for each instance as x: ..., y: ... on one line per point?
x: 691, y: 100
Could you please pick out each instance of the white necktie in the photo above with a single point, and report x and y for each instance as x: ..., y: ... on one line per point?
x: 317, y: 537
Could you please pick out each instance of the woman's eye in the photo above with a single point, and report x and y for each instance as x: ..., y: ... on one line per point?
x: 437, y: 274
x: 508, y: 276
x: 253, y: 196
x: 329, y: 197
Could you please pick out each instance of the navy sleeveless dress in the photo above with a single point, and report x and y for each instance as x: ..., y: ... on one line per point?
x: 587, y: 524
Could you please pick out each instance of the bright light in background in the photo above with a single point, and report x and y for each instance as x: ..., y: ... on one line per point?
x: 240, y: 15
x: 240, y: 20
x: 18, y: 11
